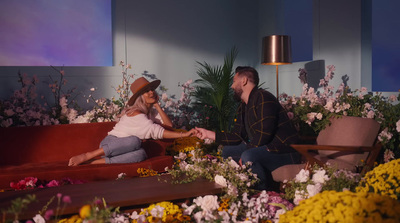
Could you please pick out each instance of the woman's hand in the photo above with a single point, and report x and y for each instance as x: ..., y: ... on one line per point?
x: 192, y: 132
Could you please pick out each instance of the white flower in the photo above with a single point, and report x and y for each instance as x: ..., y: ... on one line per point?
x: 39, y: 219
x: 207, y: 203
x: 92, y: 89
x: 278, y: 213
x: 243, y: 177
x: 157, y: 211
x: 164, y: 97
x: 298, y: 196
x: 187, y: 210
x: 63, y: 102
x: 302, y: 176
x: 121, y: 176
x: 233, y: 164
x: 398, y: 126
x: 319, y: 116
x: 232, y: 190
x: 220, y: 180
x: 181, y: 156
x: 320, y: 176
x: 313, y: 189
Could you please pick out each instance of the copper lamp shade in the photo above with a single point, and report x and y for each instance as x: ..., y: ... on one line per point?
x: 277, y: 50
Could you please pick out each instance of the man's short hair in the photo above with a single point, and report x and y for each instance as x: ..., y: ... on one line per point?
x: 249, y: 72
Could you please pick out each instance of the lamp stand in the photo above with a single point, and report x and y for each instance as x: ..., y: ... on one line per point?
x: 277, y: 82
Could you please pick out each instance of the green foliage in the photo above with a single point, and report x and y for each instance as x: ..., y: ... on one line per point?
x: 18, y: 205
x: 213, y: 94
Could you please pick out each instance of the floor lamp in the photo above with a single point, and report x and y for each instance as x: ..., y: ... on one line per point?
x: 277, y: 51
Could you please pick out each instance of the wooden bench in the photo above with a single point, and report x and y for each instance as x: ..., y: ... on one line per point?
x: 128, y: 194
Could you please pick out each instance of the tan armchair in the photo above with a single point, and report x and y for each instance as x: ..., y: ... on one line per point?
x: 345, y: 144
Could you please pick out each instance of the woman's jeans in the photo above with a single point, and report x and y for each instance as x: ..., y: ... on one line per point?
x: 123, y: 150
x: 263, y: 162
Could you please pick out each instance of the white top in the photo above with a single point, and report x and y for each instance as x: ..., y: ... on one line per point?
x: 139, y: 125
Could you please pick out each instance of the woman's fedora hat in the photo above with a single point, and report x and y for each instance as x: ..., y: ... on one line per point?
x: 140, y: 86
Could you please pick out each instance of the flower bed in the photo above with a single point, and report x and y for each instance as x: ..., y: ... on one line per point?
x: 316, y: 195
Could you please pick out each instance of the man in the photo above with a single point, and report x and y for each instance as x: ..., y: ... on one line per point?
x: 262, y: 133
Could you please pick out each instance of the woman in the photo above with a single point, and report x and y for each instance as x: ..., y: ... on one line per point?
x: 143, y: 118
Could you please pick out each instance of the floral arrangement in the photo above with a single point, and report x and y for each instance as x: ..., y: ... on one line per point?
x: 383, y: 179
x: 143, y: 172
x: 181, y: 113
x: 160, y: 212
x: 346, y: 206
x: 312, y: 110
x: 262, y: 207
x: 236, y: 179
x: 23, y: 108
x: 33, y: 182
x: 308, y: 183
x: 184, y: 145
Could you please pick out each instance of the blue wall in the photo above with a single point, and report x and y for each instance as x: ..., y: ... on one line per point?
x: 166, y: 38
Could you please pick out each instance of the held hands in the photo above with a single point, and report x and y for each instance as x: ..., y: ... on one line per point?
x: 205, y: 134
x: 192, y: 132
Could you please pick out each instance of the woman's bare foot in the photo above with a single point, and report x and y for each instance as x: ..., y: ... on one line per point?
x: 76, y: 160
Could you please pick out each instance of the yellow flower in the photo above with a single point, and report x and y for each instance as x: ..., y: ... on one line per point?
x: 171, y: 211
x: 85, y: 211
x: 383, y: 179
x: 362, y: 208
x: 143, y: 172
x: 185, y: 144
x: 73, y: 219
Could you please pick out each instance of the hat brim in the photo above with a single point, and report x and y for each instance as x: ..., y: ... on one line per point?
x: 151, y: 85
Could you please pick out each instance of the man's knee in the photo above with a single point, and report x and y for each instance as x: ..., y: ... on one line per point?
x: 248, y: 156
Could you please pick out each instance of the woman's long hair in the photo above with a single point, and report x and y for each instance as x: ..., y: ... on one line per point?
x: 139, y: 105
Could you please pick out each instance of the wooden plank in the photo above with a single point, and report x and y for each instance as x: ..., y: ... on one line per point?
x: 127, y: 193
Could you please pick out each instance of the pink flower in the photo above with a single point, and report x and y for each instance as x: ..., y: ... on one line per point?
x: 371, y: 114
x: 290, y: 115
x: 48, y: 214
x: 398, y: 126
x: 393, y: 98
x: 53, y: 183
x: 67, y: 199
x: 388, y: 155
x: 363, y: 90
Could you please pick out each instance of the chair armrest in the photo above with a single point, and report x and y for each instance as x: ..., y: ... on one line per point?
x: 307, y: 152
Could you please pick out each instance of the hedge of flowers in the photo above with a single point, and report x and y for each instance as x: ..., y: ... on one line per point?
x: 313, y: 109
x: 346, y: 206
x: 383, y: 179
x: 308, y: 183
x: 375, y: 198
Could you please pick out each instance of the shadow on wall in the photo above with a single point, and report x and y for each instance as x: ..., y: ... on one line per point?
x: 315, y: 72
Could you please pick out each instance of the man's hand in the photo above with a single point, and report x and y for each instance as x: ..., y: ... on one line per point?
x: 205, y: 134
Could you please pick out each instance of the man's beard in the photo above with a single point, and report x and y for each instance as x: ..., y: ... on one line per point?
x: 237, y: 94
